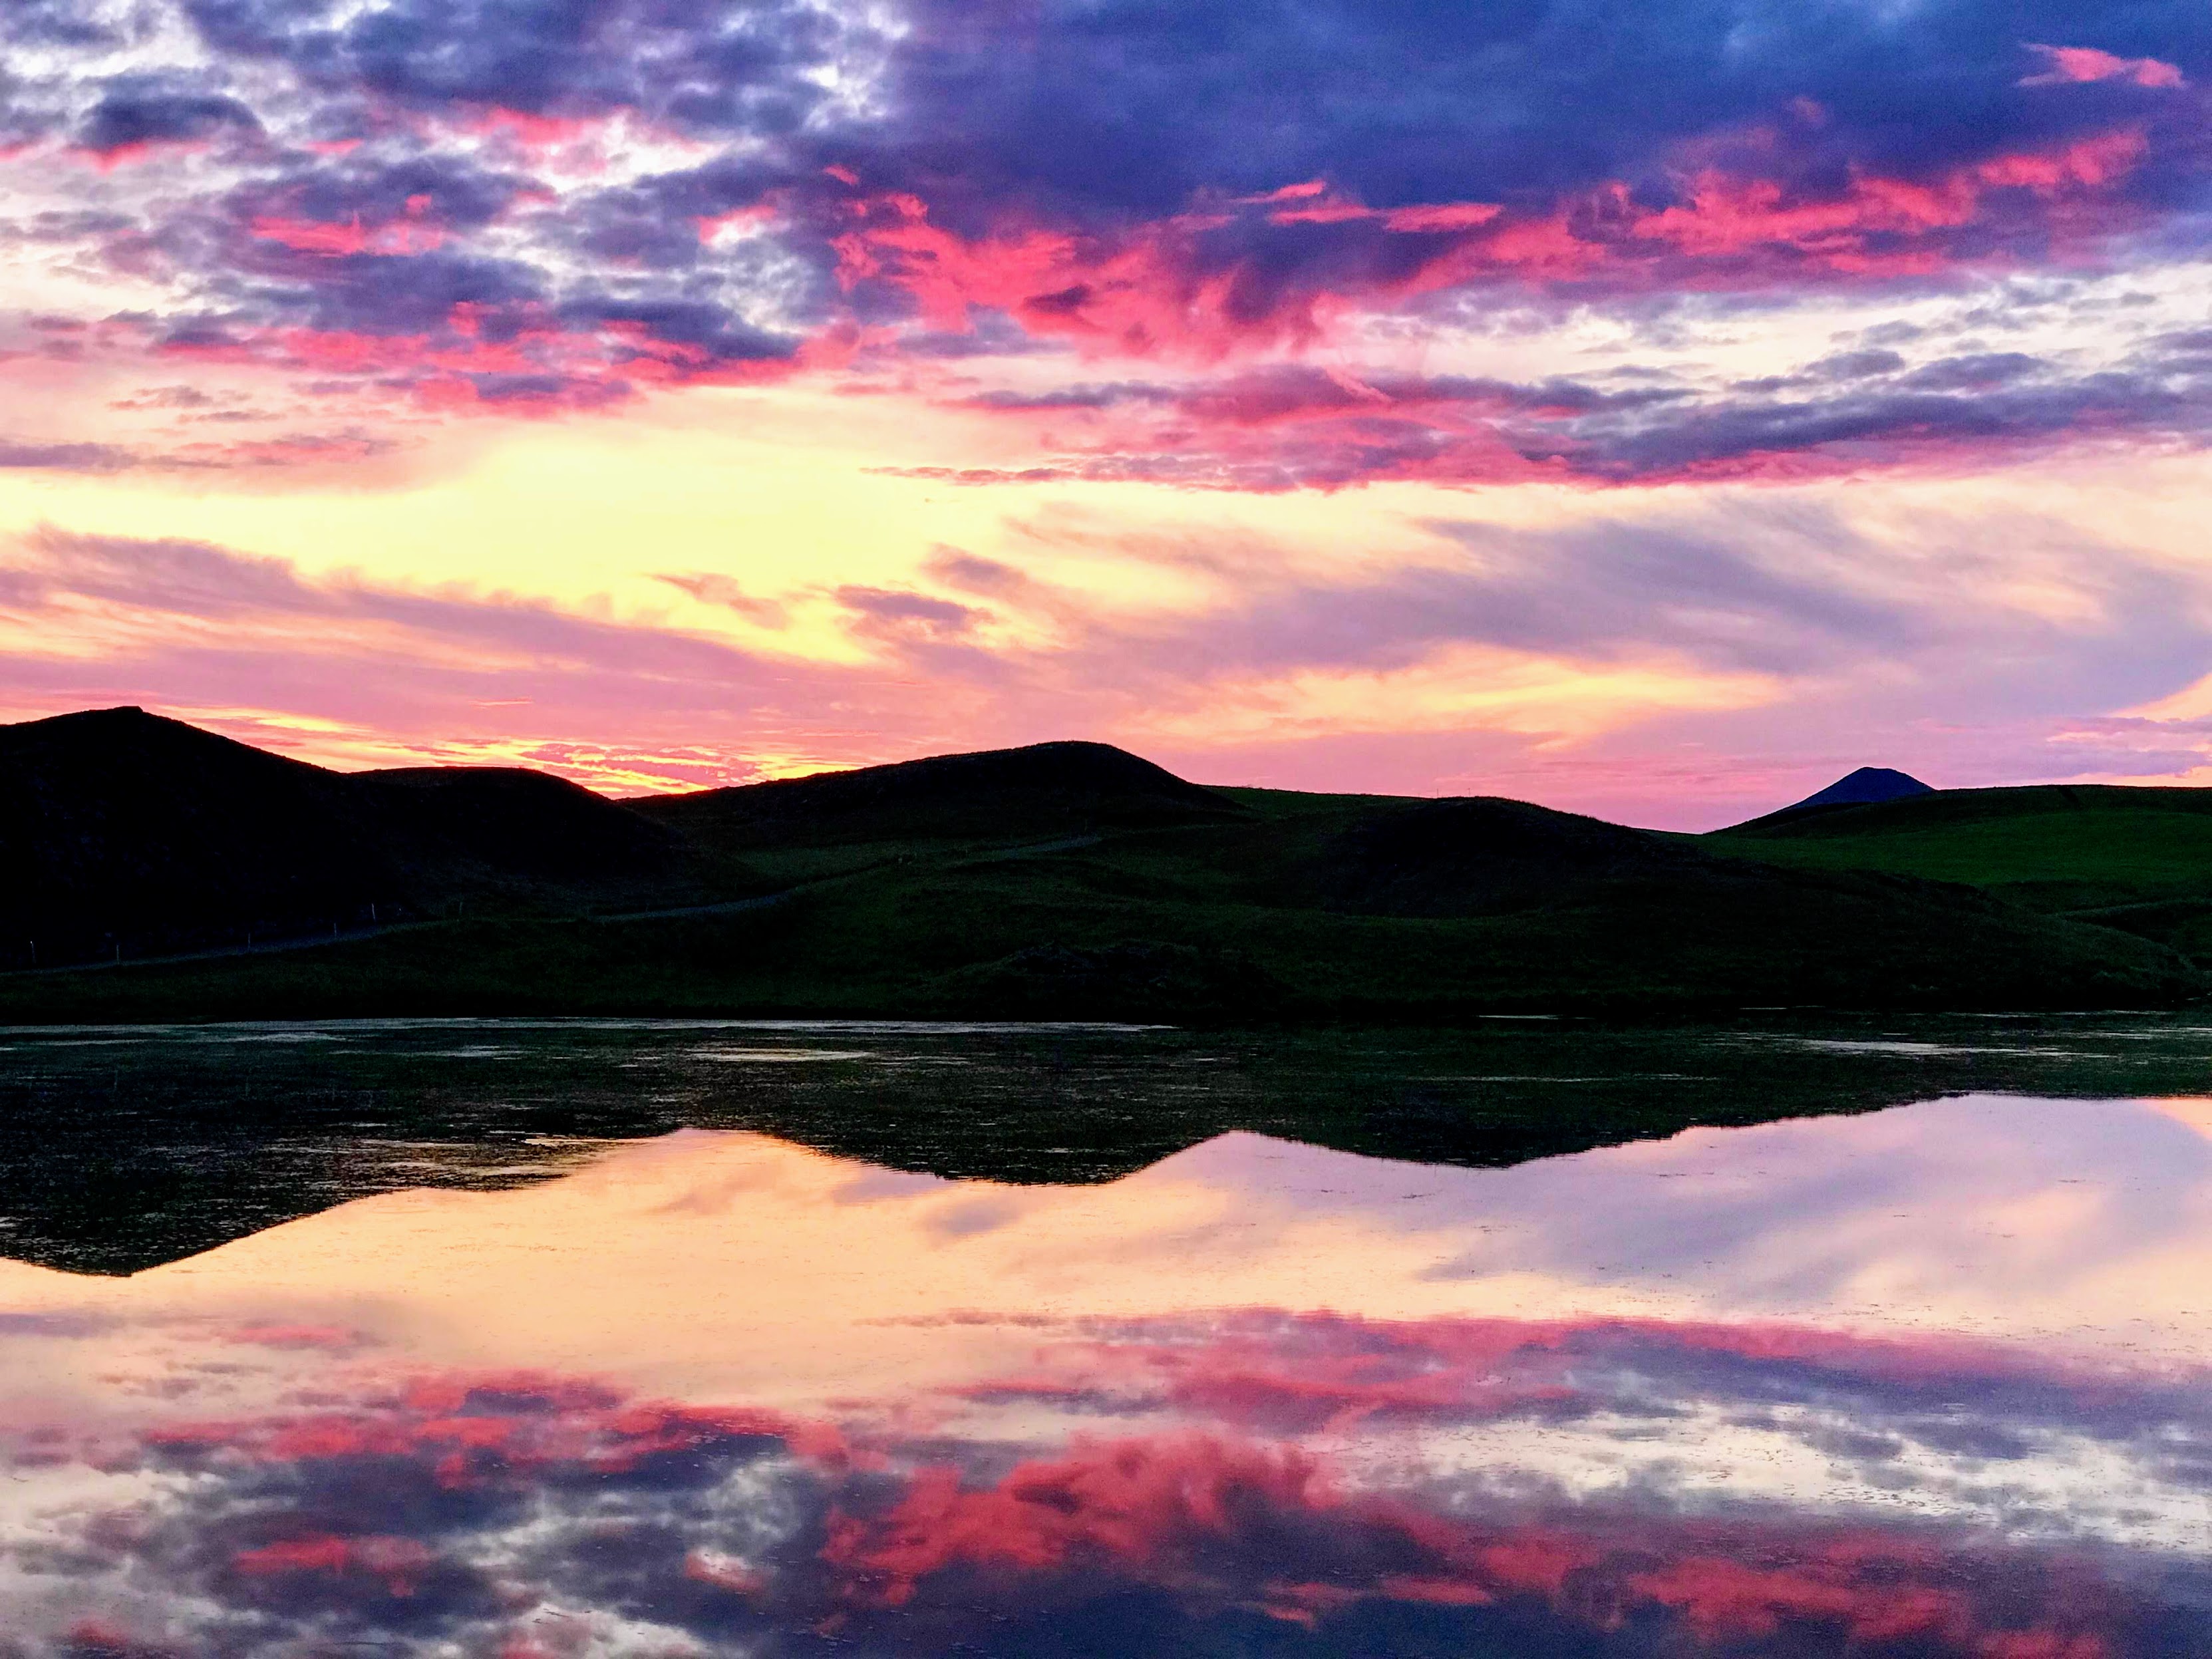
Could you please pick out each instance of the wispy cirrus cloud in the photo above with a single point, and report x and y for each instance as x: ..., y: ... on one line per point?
x: 1302, y: 426
x: 407, y: 674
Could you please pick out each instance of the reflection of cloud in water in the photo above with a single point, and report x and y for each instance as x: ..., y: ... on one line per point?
x: 1847, y: 1386
x: 1988, y: 1212
x: 525, y: 1514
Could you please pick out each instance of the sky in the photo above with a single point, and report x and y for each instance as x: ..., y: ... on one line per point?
x: 1651, y: 409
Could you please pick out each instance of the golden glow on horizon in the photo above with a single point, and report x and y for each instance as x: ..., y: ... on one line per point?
x: 782, y: 492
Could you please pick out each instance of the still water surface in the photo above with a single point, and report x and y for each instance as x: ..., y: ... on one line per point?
x: 1922, y: 1376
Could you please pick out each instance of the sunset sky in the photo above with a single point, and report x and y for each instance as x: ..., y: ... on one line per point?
x: 1650, y: 409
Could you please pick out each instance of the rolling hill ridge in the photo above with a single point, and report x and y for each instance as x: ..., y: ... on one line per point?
x: 119, y: 825
x: 1061, y: 881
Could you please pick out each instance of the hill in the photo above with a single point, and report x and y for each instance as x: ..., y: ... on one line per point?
x: 1062, y: 880
x: 795, y: 827
x: 119, y: 825
x: 2136, y: 858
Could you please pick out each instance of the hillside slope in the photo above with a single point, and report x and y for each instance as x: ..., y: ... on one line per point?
x: 115, y: 823
x: 1077, y: 881
x: 2132, y: 858
x: 994, y: 796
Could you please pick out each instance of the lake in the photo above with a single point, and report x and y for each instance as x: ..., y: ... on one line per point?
x: 598, y: 1339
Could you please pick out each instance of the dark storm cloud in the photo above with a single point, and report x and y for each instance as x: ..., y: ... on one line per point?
x: 710, y: 64
x: 1134, y: 107
x: 447, y: 193
x: 132, y: 114
x: 1138, y: 104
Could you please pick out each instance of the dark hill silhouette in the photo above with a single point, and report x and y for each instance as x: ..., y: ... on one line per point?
x: 1068, y: 878
x: 1865, y: 787
x: 1667, y: 911
x: 2126, y: 856
x: 1956, y: 808
x: 994, y: 794
x: 515, y: 823
x: 118, y: 823
x: 1482, y: 855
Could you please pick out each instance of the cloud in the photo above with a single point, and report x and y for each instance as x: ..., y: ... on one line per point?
x: 2076, y: 65
x: 136, y: 115
x: 1300, y: 427
x: 709, y: 588
x: 420, y: 674
x: 1223, y: 276
x: 932, y: 616
x: 63, y: 457
x: 532, y: 205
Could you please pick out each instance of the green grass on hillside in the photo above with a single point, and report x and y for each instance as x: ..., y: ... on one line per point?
x: 2136, y: 858
x: 1214, y: 920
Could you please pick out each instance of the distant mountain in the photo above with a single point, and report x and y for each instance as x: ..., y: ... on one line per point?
x: 1863, y: 787
x: 118, y: 823
x: 1870, y: 786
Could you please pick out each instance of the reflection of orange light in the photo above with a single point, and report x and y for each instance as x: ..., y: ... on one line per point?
x: 2195, y: 1110
x: 717, y: 1265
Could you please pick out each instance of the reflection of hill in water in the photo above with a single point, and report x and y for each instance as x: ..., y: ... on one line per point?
x: 119, y: 1150
x: 718, y: 1255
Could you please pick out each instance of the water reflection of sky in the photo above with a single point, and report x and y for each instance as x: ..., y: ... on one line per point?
x: 1924, y: 1381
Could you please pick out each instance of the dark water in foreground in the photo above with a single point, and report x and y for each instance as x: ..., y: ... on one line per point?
x: 603, y: 1341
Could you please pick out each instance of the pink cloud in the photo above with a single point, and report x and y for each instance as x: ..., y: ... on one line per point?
x: 2076, y: 65
x: 1197, y: 285
x: 397, y: 1563
x: 411, y: 232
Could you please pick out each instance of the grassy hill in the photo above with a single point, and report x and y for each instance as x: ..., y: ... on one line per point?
x: 2139, y: 860
x: 119, y: 827
x: 1073, y: 880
